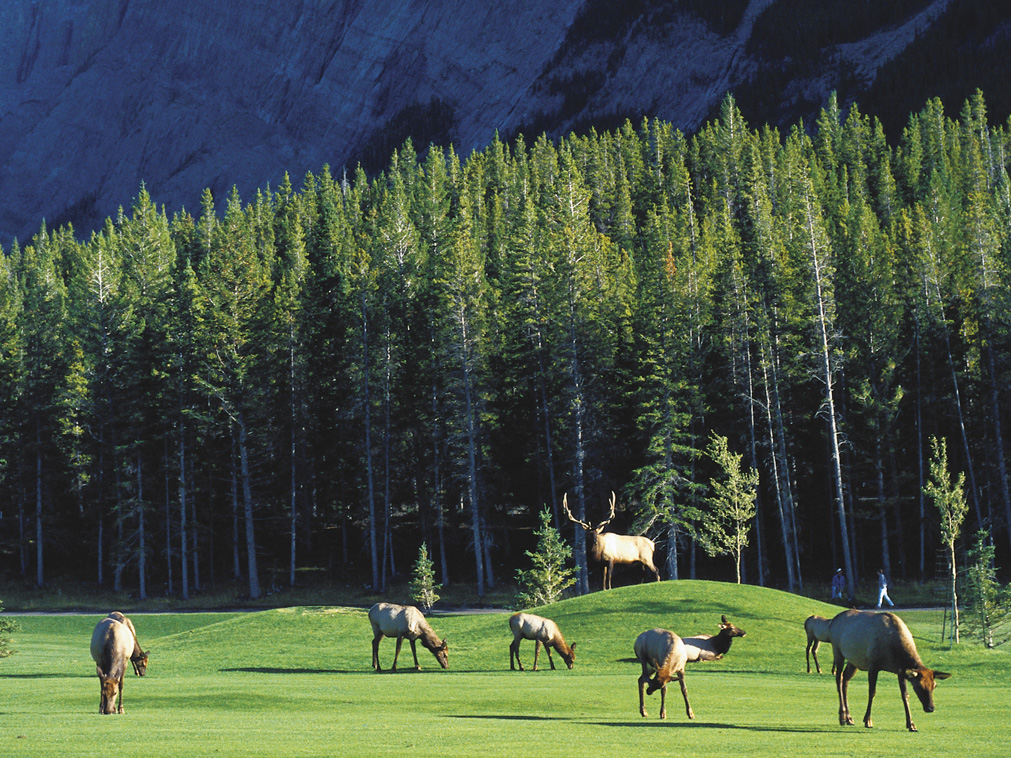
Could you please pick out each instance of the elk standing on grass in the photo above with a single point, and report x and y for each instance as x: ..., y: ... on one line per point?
x: 817, y: 633
x: 610, y: 548
x: 138, y: 657
x: 111, y: 646
x: 876, y: 642
x: 400, y: 621
x: 527, y: 626
x: 663, y: 653
x: 711, y: 647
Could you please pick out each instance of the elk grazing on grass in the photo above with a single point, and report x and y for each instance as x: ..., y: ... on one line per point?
x: 817, y: 633
x: 400, y: 621
x: 527, y: 626
x: 876, y: 642
x: 138, y: 657
x: 662, y: 653
x: 111, y: 646
x: 610, y: 548
x: 711, y: 647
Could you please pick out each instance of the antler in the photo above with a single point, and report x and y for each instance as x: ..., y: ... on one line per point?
x: 565, y: 505
x: 614, y: 499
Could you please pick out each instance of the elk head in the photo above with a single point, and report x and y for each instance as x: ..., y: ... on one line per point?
x: 110, y: 691
x: 595, y: 530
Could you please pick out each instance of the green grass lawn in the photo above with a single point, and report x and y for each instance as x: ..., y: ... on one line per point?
x: 297, y: 682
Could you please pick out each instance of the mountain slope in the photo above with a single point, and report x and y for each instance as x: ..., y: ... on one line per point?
x: 97, y: 96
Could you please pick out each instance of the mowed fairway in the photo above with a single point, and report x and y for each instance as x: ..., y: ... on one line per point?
x: 297, y: 682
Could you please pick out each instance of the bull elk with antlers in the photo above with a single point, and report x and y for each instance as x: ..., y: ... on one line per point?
x: 610, y: 548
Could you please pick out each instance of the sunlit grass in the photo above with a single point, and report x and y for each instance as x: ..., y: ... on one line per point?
x: 297, y: 682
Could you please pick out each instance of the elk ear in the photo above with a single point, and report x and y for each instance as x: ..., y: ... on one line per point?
x: 941, y: 675
x: 911, y: 674
x: 573, y: 646
x: 98, y: 670
x: 723, y: 620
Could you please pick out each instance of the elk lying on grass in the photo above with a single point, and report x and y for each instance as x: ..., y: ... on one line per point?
x: 711, y: 647
x: 817, y: 633
x: 876, y: 642
x: 610, y: 548
x: 111, y: 646
x: 138, y: 657
x: 400, y: 621
x: 527, y: 626
x: 662, y: 653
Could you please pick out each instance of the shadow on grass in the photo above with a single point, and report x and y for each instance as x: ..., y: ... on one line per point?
x: 505, y: 717
x: 47, y: 676
x: 286, y: 671
x: 710, y: 725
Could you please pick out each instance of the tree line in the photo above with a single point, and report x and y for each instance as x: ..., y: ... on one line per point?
x: 326, y: 377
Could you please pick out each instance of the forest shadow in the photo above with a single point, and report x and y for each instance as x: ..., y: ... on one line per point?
x: 47, y: 676
x: 275, y: 670
x: 655, y: 723
x: 505, y: 717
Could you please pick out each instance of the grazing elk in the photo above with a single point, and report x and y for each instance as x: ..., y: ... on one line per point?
x: 400, y: 621
x: 138, y: 657
x: 610, y: 548
x: 817, y: 633
x: 711, y: 647
x: 111, y: 646
x: 876, y: 642
x: 527, y: 626
x: 663, y: 653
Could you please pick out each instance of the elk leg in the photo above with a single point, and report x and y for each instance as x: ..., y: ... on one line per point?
x: 414, y: 652
x: 119, y: 696
x: 814, y: 653
x: 684, y: 694
x: 537, y: 652
x: 872, y: 686
x: 843, y: 675
x: 547, y: 649
x: 375, y: 652
x: 514, y: 650
x: 663, y: 701
x: 905, y: 702
x: 396, y: 654
x: 642, y: 691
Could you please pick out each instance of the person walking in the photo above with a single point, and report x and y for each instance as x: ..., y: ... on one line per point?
x: 838, y: 584
x: 883, y: 589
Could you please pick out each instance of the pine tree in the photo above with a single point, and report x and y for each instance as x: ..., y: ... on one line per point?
x: 423, y: 586
x: 8, y: 626
x: 549, y: 578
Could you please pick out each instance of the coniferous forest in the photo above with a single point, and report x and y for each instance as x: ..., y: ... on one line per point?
x: 327, y: 376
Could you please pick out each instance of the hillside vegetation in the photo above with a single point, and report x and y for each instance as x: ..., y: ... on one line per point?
x: 330, y: 375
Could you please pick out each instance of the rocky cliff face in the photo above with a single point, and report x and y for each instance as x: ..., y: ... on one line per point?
x: 97, y: 96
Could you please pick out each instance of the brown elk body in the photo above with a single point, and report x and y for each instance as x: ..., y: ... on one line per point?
x: 817, y: 631
x: 111, y: 646
x: 404, y: 621
x: 875, y: 642
x: 711, y: 647
x: 610, y: 548
x: 662, y: 653
x: 138, y: 657
x: 527, y: 626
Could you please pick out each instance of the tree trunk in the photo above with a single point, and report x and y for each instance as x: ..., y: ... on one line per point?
x: 141, y: 531
x: 247, y: 501
x: 833, y: 430
x: 183, y: 547
x: 39, y: 573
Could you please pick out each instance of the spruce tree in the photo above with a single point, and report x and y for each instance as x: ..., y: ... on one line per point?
x: 549, y: 578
